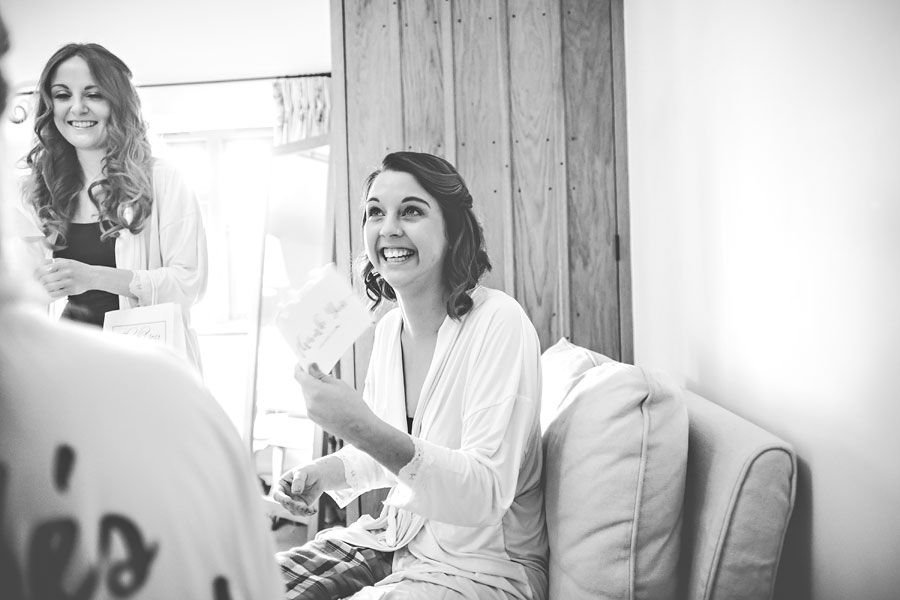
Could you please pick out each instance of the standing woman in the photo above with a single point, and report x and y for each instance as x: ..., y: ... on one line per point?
x: 448, y: 418
x: 124, y: 227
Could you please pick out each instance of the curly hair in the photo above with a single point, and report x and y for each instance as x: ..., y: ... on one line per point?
x: 124, y: 195
x: 466, y: 259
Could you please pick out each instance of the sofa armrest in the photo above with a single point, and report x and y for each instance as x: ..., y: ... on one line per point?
x: 739, y: 494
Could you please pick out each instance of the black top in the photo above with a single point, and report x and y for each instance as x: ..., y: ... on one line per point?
x: 409, y: 425
x: 84, y: 245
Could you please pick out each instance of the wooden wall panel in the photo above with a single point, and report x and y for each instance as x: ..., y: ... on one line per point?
x: 481, y: 83
x: 374, y: 110
x: 590, y: 151
x: 374, y: 128
x: 422, y: 75
x: 538, y: 153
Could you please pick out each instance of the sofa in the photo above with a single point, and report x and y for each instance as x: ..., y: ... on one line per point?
x: 653, y: 492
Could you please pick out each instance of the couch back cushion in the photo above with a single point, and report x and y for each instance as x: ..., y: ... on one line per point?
x: 615, y: 448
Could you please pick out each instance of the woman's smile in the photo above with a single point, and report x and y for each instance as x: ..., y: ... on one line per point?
x: 397, y: 255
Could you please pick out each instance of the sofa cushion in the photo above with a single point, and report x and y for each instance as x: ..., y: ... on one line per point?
x: 615, y: 460
x: 563, y: 366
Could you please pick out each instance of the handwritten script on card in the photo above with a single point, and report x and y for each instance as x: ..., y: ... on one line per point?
x: 322, y: 323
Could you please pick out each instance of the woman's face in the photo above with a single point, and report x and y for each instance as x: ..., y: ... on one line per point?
x: 405, y: 233
x: 80, y: 110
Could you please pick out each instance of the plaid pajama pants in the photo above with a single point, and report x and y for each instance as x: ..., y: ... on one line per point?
x: 331, y: 569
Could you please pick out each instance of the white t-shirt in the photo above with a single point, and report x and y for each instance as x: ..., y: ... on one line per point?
x: 119, y: 473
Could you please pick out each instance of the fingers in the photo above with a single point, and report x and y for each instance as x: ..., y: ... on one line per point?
x: 52, y: 277
x: 310, y: 375
x: 298, y: 485
x: 289, y: 493
x: 284, y: 484
x: 311, y: 372
x: 55, y: 286
x: 316, y: 372
x: 295, y: 507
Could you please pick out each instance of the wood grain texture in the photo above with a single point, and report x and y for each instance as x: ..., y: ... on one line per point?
x: 374, y: 111
x: 593, y: 271
x: 374, y: 128
x: 481, y: 75
x: 422, y: 76
x: 538, y: 153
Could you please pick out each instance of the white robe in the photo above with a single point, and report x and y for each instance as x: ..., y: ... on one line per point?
x: 168, y: 256
x: 467, y: 511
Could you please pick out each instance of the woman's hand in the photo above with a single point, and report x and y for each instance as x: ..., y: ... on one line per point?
x: 340, y: 410
x: 332, y: 404
x: 65, y: 277
x: 299, y: 489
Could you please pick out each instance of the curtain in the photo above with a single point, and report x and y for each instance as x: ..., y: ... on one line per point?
x: 302, y: 106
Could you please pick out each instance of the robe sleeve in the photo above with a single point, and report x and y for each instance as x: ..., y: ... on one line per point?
x: 476, y: 484
x: 362, y: 472
x: 183, y: 275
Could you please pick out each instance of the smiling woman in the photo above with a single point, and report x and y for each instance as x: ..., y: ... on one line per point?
x: 103, y: 201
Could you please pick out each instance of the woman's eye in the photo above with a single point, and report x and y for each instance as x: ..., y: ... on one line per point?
x: 373, y: 211
x: 61, y: 96
x: 412, y: 211
x: 95, y: 96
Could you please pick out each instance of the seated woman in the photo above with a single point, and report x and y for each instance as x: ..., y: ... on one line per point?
x: 448, y: 419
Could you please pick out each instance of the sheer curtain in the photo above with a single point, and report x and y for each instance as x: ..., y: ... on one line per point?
x: 302, y: 108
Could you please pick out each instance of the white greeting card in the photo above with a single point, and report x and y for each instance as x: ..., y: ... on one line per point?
x: 322, y: 323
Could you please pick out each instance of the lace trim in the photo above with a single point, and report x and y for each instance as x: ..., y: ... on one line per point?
x: 419, y: 464
x: 350, y: 474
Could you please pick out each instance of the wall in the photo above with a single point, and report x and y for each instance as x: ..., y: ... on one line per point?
x: 764, y: 158
x: 171, y: 41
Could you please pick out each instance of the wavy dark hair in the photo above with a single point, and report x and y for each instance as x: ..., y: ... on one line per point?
x: 56, y: 177
x: 466, y: 260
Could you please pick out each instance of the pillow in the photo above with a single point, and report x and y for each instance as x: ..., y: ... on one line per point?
x: 615, y: 460
x: 563, y: 365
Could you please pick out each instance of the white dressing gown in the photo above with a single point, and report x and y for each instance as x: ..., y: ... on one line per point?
x: 467, y: 511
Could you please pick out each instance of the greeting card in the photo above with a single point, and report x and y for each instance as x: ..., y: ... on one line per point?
x: 324, y: 320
